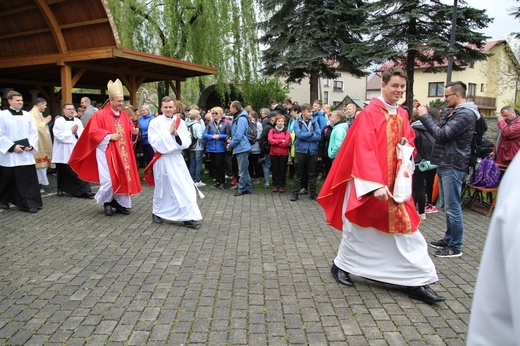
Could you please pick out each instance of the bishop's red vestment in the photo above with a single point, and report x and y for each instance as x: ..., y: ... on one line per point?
x: 120, y: 154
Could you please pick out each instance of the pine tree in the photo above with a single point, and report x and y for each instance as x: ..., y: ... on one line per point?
x: 311, y: 38
x: 415, y: 33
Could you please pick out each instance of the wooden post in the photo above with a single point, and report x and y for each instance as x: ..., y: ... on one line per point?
x: 66, y: 83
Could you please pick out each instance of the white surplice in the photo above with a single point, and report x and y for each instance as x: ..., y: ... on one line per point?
x: 175, y: 195
x: 495, y: 312
x: 64, y: 139
x: 14, y: 128
x: 395, y: 259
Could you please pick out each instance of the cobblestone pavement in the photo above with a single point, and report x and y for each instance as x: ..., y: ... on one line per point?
x: 256, y: 273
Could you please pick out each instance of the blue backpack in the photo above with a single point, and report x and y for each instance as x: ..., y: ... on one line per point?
x: 487, y: 174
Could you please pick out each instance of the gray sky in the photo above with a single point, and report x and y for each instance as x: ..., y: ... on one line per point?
x: 503, y: 23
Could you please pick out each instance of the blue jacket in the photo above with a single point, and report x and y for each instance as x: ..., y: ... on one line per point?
x: 144, y: 122
x: 453, y: 136
x: 239, y: 142
x: 319, y: 117
x: 307, y: 139
x: 223, y: 130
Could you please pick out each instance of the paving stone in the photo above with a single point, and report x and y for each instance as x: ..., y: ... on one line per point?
x: 243, y: 278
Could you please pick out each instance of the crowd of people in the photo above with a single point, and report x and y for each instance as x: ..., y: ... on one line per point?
x: 353, y: 150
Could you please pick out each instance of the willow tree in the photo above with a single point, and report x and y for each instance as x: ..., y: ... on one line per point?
x: 217, y: 33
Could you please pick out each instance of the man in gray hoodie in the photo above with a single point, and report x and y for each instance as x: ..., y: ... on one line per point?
x: 451, y: 153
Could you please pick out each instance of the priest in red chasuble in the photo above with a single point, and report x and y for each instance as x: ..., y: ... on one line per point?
x: 380, y: 239
x: 104, y: 154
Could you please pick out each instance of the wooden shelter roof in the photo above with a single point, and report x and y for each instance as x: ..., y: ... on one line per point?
x: 38, y: 38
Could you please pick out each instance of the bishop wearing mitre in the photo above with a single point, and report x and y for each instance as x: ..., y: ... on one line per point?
x: 104, y: 154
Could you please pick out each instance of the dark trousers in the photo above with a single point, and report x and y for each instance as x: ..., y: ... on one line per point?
x: 69, y: 182
x: 279, y: 168
x: 255, y: 168
x: 218, y: 167
x: 19, y: 185
x: 147, y: 153
x: 305, y: 162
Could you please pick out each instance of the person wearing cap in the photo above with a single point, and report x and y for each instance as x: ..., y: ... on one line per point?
x: 104, y: 154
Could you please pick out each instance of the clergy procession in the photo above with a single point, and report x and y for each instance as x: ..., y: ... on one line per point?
x: 367, y: 191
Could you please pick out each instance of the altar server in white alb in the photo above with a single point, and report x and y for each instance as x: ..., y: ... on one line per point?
x: 495, y: 312
x: 67, y: 129
x: 175, y: 195
x: 18, y: 142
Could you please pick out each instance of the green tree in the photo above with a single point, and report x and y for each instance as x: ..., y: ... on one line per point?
x: 311, y: 38
x: 416, y: 33
x: 218, y: 33
x: 258, y: 94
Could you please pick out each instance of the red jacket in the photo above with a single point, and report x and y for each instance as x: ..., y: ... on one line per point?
x: 279, y: 142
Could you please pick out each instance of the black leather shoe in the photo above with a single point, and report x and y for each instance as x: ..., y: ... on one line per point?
x: 192, y: 224
x: 313, y: 196
x: 341, y: 276
x: 108, y: 209
x: 122, y: 210
x: 294, y: 197
x: 425, y: 294
x: 4, y: 206
x: 156, y: 218
x: 32, y: 210
x: 241, y: 193
x: 59, y: 193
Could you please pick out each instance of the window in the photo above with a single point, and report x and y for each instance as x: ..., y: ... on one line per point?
x: 436, y: 89
x: 472, y: 89
x: 325, y: 81
x: 338, y: 85
x: 326, y: 97
x: 481, y: 87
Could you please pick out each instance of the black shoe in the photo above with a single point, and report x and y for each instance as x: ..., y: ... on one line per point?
x: 341, y: 276
x: 108, y: 209
x: 32, y: 210
x: 439, y: 244
x: 192, y: 224
x: 313, y: 196
x: 448, y: 252
x: 122, y: 210
x: 241, y: 193
x: 294, y: 197
x: 215, y: 186
x: 59, y: 193
x: 156, y: 218
x: 425, y: 294
x: 4, y: 206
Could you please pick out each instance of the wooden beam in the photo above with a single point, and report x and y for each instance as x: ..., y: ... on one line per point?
x: 77, y: 76
x: 25, y: 33
x: 84, y: 23
x: 53, y: 25
x: 121, y: 71
x: 50, y: 59
x: 25, y: 82
x: 22, y: 9
x: 62, y: 27
x: 66, y: 83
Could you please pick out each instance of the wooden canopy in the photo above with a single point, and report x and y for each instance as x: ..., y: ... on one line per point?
x: 75, y: 44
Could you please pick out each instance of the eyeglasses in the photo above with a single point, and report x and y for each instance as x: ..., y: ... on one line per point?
x: 214, y: 113
x: 448, y: 95
x: 69, y: 109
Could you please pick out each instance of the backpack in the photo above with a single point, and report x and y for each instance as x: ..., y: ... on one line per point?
x: 487, y: 173
x: 252, y: 131
x: 193, y: 138
x: 476, y: 141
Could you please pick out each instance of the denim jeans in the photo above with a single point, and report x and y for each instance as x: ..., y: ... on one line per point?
x: 195, y: 164
x: 244, y: 179
x: 267, y: 168
x: 450, y: 186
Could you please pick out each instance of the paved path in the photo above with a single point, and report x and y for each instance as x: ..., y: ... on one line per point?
x: 256, y: 273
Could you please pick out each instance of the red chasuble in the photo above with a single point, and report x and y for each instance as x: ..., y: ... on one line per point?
x: 120, y: 154
x: 369, y: 153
